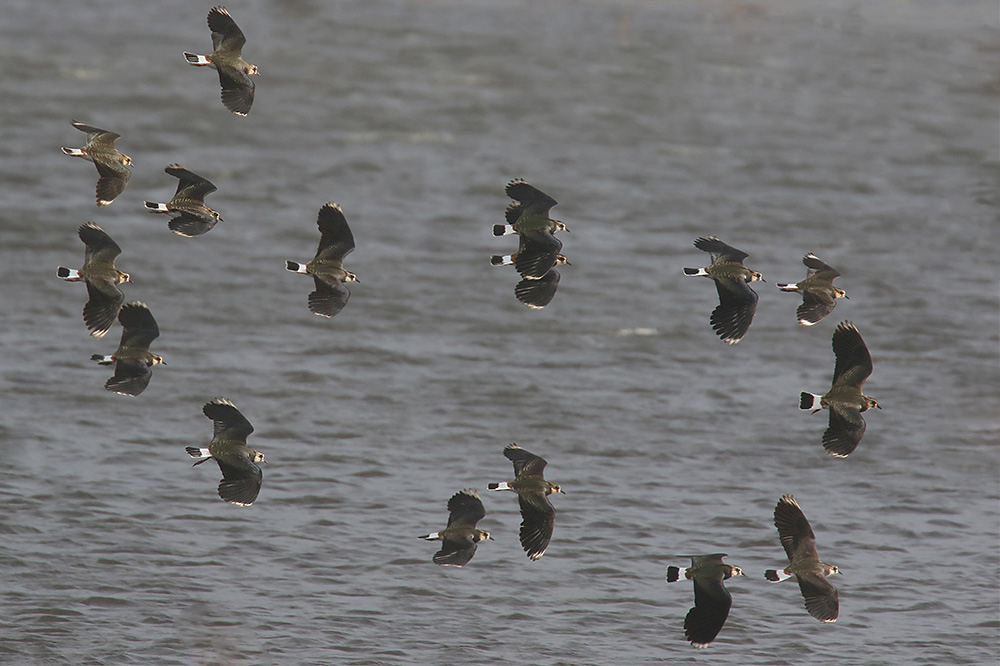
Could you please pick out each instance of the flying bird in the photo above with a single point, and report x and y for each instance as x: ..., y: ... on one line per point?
x: 111, y: 164
x: 819, y: 296
x: 799, y: 542
x: 102, y: 279
x: 459, y: 538
x: 193, y: 217
x: 327, y: 268
x: 845, y: 400
x: 737, y: 301
x: 241, y: 477
x: 227, y: 59
x: 529, y: 212
x: 538, y: 516
x: 711, y: 598
x: 133, y: 361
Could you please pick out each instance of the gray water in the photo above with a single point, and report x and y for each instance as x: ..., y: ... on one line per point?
x: 864, y: 132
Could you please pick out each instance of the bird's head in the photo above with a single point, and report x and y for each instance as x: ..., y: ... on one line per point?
x: 483, y: 535
x: 554, y: 488
x: 561, y: 260
x: 840, y: 293
x: 756, y: 277
x: 257, y: 456
x: 251, y: 70
x: 872, y: 402
x: 155, y: 359
x: 560, y: 226
x: 350, y: 277
x: 736, y: 571
x: 126, y: 160
x: 124, y: 277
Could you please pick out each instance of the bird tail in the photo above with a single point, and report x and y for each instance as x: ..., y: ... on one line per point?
x: 695, y: 272
x: 786, y: 287
x: 295, y: 267
x: 810, y: 401
x: 674, y: 574
x: 501, y: 260
x: 154, y: 207
x: 503, y: 485
x: 503, y: 230
x: 195, y: 452
x: 197, y: 60
x: 73, y: 152
x: 776, y: 576
x: 433, y: 536
x: 102, y: 360
x: 68, y: 274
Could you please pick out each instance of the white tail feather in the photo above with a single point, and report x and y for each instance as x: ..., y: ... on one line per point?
x: 154, y: 207
x: 68, y: 274
x: 295, y: 267
x: 786, y: 287
x: 433, y: 536
x: 74, y: 152
x: 197, y: 60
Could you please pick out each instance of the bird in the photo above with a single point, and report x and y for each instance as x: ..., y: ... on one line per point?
x: 819, y: 296
x: 227, y: 59
x: 459, y: 539
x: 538, y: 516
x: 193, y: 217
x: 133, y: 360
x: 538, y: 293
x: 799, y: 542
x: 533, y: 259
x: 101, y: 277
x: 327, y: 268
x: 845, y: 400
x: 711, y: 598
x: 530, y: 211
x: 111, y: 164
x: 737, y: 301
x: 241, y: 477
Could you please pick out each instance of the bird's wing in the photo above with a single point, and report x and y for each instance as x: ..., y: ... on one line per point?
x: 328, y: 299
x: 336, y: 239
x: 854, y: 362
x: 226, y: 35
x: 846, y: 429
x: 229, y: 422
x: 822, y: 600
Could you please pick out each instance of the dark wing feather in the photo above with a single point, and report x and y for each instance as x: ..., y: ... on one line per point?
x: 854, y: 363
x: 455, y: 552
x: 139, y: 326
x: 529, y: 196
x: 190, y: 224
x: 97, y: 135
x: 226, y: 35
x: 100, y: 246
x: 846, y: 429
x: 101, y: 310
x: 822, y: 599
x: 113, y: 179
x: 712, y: 602
x: 538, y: 518
x: 130, y: 378
x: 336, y: 239
x: 816, y: 305
x: 536, y: 294
x: 328, y: 299
x: 817, y: 268
x: 229, y: 422
x: 465, y: 509
x: 525, y: 463
x: 794, y: 530
x: 720, y: 250
x: 536, y: 254
x: 237, y: 90
x: 241, y: 480
x: 191, y: 185
x: 737, y: 305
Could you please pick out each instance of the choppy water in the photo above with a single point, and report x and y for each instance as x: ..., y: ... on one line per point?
x: 865, y: 134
